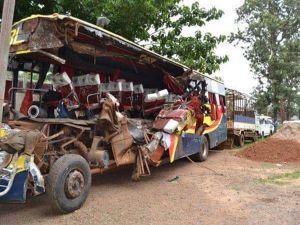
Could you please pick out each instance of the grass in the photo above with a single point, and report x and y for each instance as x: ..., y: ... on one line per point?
x: 236, y: 187
x: 267, y: 165
x: 281, y: 179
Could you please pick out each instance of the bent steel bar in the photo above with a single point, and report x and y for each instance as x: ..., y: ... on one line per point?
x: 6, y: 180
x: 52, y: 56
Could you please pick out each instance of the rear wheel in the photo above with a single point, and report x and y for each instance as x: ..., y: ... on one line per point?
x: 68, y: 183
x: 203, y: 153
x: 241, y: 140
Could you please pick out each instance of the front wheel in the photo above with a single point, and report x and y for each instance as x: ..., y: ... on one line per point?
x: 68, y: 183
x: 203, y: 153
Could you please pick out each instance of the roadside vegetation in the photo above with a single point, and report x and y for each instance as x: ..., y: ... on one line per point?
x: 270, y: 38
x: 158, y: 25
x: 281, y: 179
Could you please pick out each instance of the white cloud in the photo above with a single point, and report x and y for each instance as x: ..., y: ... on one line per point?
x: 236, y: 72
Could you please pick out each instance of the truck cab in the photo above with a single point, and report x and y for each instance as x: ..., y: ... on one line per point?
x: 264, y: 125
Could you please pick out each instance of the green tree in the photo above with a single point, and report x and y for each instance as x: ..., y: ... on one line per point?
x: 271, y: 44
x: 158, y: 24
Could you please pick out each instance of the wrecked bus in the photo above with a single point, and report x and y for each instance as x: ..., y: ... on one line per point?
x: 110, y: 103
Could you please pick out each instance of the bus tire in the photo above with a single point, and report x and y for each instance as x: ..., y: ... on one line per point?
x: 203, y: 153
x: 68, y: 183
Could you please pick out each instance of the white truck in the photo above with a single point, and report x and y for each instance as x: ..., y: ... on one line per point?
x: 264, y: 125
x: 240, y: 118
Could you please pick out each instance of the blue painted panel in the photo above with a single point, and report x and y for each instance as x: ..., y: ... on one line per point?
x: 17, y: 193
x: 219, y: 135
x: 244, y: 119
x: 188, y: 144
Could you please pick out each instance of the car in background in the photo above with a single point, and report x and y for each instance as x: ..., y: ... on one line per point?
x: 264, y: 125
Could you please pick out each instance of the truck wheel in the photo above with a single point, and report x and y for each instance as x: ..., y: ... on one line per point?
x: 68, y: 183
x: 203, y: 153
x: 254, y: 138
x: 241, y: 140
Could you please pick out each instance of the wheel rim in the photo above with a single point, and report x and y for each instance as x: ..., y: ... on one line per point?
x: 242, y: 140
x: 204, y: 148
x: 74, y: 184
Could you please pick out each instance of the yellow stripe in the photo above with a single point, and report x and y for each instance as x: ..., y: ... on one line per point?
x: 190, y: 131
x: 208, y: 120
x: 23, y: 52
x: 21, y: 163
x: 213, y: 128
x: 174, y: 148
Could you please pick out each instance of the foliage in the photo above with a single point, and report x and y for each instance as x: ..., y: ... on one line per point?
x: 271, y: 41
x: 262, y: 100
x: 197, y: 52
x: 159, y: 24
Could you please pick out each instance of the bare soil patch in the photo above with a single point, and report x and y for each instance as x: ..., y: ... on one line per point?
x: 284, y: 146
x: 289, y: 131
x: 197, y: 196
x: 273, y: 150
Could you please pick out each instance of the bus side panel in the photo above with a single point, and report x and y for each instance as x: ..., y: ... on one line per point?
x: 187, y: 144
x: 218, y: 134
x: 17, y: 193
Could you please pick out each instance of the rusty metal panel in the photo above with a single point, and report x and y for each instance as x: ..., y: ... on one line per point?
x: 45, y: 36
x: 62, y: 121
x: 121, y: 146
x: 26, y: 124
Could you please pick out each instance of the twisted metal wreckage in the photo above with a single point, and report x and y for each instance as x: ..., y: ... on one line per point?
x: 112, y: 103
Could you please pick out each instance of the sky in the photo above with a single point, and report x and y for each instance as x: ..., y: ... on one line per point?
x: 236, y: 72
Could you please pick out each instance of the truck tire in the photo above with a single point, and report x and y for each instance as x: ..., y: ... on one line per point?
x: 68, y: 183
x: 203, y: 153
x: 241, y: 140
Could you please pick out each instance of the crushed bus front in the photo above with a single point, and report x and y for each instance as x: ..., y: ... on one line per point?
x: 15, y: 172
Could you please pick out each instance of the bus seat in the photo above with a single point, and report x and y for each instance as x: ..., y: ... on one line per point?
x: 63, y: 84
x: 114, y: 88
x: 126, y: 100
x: 87, y: 85
x: 153, y: 102
x: 138, y: 94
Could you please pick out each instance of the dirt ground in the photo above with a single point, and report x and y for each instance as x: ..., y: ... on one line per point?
x: 283, y: 146
x: 235, y: 195
x: 273, y: 150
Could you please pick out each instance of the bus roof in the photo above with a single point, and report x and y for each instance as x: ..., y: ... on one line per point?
x: 177, y: 68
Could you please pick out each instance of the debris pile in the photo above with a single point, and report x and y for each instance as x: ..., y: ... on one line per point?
x: 289, y: 131
x: 284, y: 146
